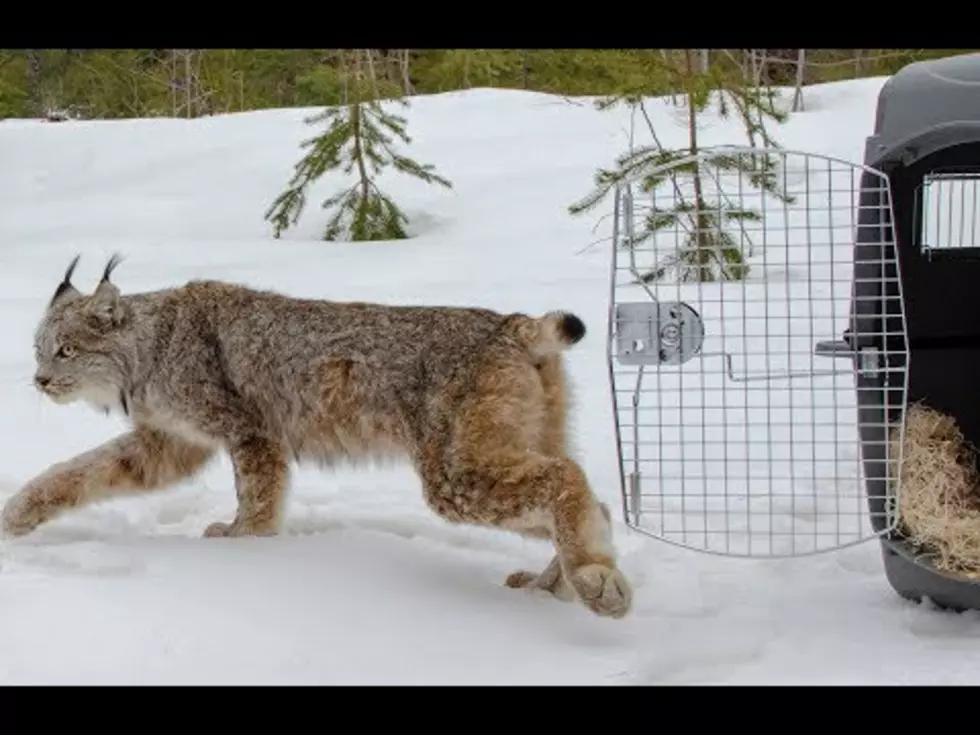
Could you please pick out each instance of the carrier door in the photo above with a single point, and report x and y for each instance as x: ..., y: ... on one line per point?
x: 757, y: 374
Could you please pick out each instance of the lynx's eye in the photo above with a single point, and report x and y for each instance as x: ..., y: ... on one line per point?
x: 65, y: 352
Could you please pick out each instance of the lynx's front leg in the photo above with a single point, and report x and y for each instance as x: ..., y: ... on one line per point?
x: 141, y: 460
x: 261, y: 472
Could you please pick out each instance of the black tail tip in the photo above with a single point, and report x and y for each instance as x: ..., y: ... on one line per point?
x: 572, y: 328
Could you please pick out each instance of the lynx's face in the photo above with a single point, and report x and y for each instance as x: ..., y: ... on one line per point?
x: 77, y: 345
x: 74, y: 357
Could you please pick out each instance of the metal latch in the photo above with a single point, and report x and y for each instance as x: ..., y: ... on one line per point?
x: 837, y: 347
x: 869, y: 358
x: 657, y: 333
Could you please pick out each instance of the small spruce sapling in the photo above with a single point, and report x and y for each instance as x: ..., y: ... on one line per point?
x: 358, y: 136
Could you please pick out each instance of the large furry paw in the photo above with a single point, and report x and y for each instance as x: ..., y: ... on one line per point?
x: 218, y: 529
x: 24, y: 512
x: 520, y: 579
x: 604, y: 590
x: 550, y: 580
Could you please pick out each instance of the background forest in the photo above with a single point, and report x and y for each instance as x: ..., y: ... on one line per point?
x: 114, y: 83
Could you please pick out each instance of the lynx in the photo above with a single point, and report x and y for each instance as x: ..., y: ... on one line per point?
x: 474, y: 400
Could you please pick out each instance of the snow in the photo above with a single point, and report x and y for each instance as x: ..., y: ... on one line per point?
x: 366, y: 585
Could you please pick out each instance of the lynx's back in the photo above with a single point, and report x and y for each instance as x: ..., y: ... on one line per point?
x: 274, y: 332
x: 329, y: 378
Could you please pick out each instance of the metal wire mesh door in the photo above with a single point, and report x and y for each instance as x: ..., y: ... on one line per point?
x: 733, y: 288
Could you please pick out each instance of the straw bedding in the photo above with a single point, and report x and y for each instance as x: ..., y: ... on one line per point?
x: 939, y: 502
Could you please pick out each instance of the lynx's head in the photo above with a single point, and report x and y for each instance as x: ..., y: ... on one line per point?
x: 78, y: 343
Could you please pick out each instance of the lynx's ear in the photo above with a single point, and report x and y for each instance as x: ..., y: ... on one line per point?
x: 105, y: 306
x: 65, y: 289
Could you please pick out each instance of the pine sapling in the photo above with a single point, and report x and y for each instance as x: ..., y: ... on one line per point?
x: 359, y: 136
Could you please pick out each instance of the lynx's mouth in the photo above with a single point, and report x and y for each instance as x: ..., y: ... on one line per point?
x: 103, y: 398
x: 60, y: 393
x: 62, y: 398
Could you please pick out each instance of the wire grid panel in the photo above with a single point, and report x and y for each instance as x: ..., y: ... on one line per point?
x: 737, y: 429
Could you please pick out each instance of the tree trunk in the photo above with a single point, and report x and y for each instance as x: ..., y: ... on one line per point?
x: 34, y: 81
x: 173, y: 81
x: 187, y: 81
x: 369, y: 59
x: 798, y: 94
x: 692, y: 135
x: 406, y: 75
x: 669, y: 62
x: 760, y: 67
x: 344, y: 75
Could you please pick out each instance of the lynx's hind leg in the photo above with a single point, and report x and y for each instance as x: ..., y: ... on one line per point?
x: 553, y: 440
x: 554, y: 443
x: 552, y: 579
x: 500, y: 465
x: 139, y: 461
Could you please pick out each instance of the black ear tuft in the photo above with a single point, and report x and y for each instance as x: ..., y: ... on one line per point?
x: 65, y: 284
x: 114, y: 261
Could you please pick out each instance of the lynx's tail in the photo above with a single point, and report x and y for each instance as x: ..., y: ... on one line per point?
x: 554, y: 332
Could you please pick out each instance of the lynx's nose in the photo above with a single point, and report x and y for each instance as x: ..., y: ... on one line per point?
x: 42, y: 381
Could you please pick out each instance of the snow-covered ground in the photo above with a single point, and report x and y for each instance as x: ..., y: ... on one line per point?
x: 366, y: 585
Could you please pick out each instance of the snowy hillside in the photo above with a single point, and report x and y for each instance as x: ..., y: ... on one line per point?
x: 366, y: 585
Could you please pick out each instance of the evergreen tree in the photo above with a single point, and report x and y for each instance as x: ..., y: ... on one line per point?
x: 359, y: 136
x: 708, y: 252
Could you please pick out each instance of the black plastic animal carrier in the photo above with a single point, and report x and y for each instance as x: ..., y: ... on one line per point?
x: 926, y: 142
